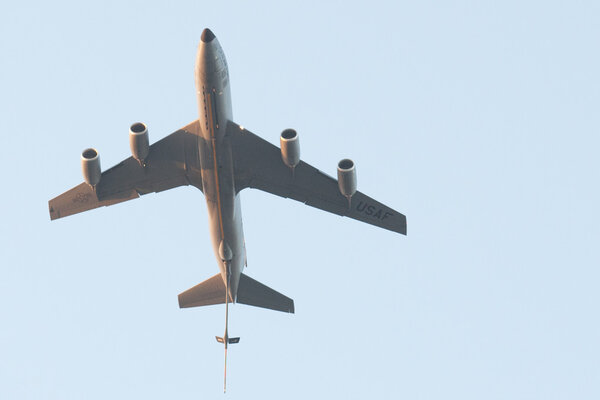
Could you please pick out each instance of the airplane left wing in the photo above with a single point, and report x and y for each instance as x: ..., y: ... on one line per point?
x: 258, y: 164
x: 169, y: 164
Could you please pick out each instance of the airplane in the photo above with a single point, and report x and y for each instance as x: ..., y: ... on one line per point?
x: 221, y: 158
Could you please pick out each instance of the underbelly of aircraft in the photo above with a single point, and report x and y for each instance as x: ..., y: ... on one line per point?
x: 224, y: 209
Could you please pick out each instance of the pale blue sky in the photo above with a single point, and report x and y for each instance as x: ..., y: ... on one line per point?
x: 478, y: 120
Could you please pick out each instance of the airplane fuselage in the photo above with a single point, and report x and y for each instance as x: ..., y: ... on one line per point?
x: 223, y: 203
x: 221, y: 158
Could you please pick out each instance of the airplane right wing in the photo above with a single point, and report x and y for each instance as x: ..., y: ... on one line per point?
x: 258, y: 164
x: 170, y: 163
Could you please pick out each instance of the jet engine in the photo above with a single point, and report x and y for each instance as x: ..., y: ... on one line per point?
x: 138, y: 142
x: 290, y: 148
x: 90, y: 166
x: 347, y: 177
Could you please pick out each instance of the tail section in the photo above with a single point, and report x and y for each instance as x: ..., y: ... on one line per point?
x: 254, y: 293
x: 250, y: 291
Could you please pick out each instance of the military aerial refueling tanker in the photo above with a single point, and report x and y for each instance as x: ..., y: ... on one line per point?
x: 221, y: 158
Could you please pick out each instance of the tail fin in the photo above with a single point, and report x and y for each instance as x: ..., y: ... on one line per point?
x: 256, y: 294
x: 211, y: 291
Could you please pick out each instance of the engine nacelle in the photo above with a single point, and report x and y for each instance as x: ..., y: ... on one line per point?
x: 90, y: 166
x: 139, y: 142
x: 290, y: 148
x: 346, y: 177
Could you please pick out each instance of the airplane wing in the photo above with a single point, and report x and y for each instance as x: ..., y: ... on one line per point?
x: 258, y: 164
x: 170, y: 163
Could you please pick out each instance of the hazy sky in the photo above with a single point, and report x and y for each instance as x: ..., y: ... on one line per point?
x: 478, y: 120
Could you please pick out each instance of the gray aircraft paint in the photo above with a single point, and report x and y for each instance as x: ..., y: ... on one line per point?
x: 214, y: 110
x: 221, y: 158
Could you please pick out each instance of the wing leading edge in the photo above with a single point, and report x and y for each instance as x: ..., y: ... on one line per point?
x: 171, y: 162
x: 258, y: 164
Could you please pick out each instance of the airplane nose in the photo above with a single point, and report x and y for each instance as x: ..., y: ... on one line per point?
x: 207, y: 36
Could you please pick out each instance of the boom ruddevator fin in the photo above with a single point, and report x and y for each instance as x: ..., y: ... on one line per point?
x: 231, y: 340
x: 250, y: 292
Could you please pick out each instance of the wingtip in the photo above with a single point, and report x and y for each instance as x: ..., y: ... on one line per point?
x: 53, y: 214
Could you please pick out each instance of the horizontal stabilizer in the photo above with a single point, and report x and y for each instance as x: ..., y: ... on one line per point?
x: 211, y: 291
x: 254, y: 293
